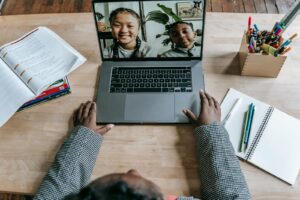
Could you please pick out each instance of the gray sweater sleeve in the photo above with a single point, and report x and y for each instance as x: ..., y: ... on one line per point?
x: 220, y: 172
x: 73, y: 165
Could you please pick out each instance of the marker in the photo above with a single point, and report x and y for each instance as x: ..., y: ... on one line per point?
x: 286, y: 50
x: 286, y: 43
x: 276, y: 45
x: 275, y: 26
x: 249, y: 123
x: 254, y: 43
x: 235, y: 105
x: 281, y: 49
x: 256, y: 28
x: 251, y: 47
x: 270, y: 50
x: 291, y: 15
x: 278, y: 31
x: 249, y: 22
x: 242, y: 144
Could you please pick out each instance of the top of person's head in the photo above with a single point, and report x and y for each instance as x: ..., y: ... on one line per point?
x: 172, y: 26
x: 115, y: 12
x: 116, y: 190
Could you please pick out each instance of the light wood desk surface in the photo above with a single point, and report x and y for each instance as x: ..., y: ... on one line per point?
x: 164, y: 154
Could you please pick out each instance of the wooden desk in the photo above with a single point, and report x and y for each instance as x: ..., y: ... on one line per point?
x: 164, y: 154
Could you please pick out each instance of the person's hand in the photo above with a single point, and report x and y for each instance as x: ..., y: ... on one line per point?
x: 210, y: 111
x: 85, y: 115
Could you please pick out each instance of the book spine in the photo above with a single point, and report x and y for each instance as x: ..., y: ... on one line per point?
x: 36, y: 100
x: 259, y: 133
x: 53, y: 90
x: 62, y: 93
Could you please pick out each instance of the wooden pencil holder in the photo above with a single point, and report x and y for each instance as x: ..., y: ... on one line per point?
x: 258, y: 64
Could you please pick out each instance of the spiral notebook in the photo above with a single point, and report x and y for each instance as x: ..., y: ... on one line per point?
x: 274, y: 143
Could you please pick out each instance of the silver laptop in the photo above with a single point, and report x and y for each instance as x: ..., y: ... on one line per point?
x: 151, y: 60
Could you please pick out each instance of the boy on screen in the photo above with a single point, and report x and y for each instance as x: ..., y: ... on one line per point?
x: 182, y: 36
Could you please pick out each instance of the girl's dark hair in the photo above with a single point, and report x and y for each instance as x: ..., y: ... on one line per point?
x: 114, y: 13
x: 117, y: 191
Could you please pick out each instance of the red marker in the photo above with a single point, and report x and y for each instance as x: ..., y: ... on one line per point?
x: 249, y: 22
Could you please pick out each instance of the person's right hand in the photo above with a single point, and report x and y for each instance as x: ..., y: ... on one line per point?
x: 85, y: 115
x: 210, y: 111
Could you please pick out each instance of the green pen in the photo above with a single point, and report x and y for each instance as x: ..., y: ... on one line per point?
x: 242, y: 144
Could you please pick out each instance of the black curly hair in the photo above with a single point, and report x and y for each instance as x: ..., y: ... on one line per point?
x: 118, y: 190
x: 173, y: 25
x: 114, y: 13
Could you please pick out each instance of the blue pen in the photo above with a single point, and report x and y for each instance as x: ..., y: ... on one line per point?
x: 256, y: 28
x: 286, y: 43
x: 250, y: 125
x: 250, y: 114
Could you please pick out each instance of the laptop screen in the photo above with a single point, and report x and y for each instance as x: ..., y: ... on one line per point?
x: 150, y: 30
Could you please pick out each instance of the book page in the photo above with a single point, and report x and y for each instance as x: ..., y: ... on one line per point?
x: 13, y: 93
x: 40, y: 58
x: 278, y: 149
x: 235, y: 124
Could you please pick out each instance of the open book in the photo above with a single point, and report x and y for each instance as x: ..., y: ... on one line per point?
x: 274, y: 142
x: 30, y: 64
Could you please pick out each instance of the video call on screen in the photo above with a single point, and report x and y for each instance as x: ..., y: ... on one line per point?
x: 150, y: 29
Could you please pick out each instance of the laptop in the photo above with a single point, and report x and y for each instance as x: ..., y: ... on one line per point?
x: 151, y: 60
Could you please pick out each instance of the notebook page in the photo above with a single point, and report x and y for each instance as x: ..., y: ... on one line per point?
x: 234, y: 125
x: 278, y: 149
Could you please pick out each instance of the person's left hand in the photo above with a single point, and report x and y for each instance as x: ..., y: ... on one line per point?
x: 85, y: 115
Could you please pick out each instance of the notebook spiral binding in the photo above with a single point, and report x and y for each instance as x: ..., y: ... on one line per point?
x: 259, y: 133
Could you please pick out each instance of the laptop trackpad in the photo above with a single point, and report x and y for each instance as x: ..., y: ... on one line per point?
x: 149, y: 107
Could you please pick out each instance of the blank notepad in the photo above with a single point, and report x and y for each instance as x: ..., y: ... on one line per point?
x: 274, y: 143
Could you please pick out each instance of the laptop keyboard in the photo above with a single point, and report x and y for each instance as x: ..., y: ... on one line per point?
x: 151, y: 79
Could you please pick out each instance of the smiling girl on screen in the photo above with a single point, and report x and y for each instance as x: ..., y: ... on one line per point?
x: 182, y: 36
x: 125, y: 24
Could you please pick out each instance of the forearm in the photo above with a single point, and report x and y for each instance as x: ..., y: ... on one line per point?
x: 221, y: 175
x: 73, y: 165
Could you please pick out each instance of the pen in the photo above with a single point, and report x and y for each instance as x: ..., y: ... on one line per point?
x: 249, y: 124
x: 256, y: 27
x: 291, y: 15
x: 278, y: 31
x: 235, y: 105
x: 270, y: 50
x: 275, y: 26
x: 283, y: 46
x: 254, y: 43
x: 242, y: 144
x: 251, y: 47
x: 286, y: 50
x: 281, y: 49
x: 286, y: 43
